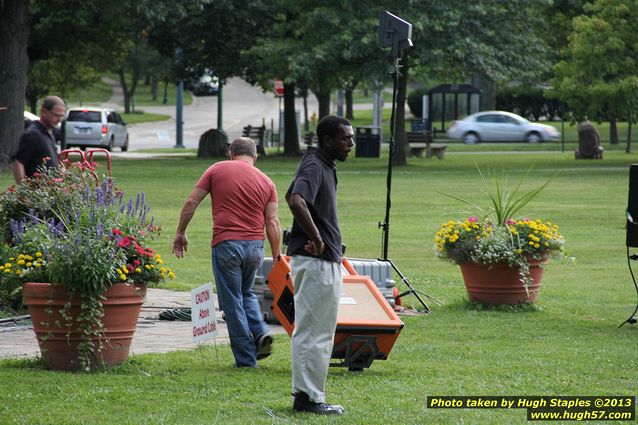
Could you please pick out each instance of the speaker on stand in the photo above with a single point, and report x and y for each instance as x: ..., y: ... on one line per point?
x: 632, y: 231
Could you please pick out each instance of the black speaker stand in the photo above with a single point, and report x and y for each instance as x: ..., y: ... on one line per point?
x: 632, y: 317
x: 385, y: 226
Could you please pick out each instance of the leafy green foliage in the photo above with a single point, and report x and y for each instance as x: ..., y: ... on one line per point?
x: 598, y: 76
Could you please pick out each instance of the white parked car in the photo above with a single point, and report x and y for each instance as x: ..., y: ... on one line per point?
x: 96, y: 127
x: 500, y: 126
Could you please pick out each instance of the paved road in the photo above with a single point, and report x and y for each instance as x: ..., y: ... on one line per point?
x: 243, y: 105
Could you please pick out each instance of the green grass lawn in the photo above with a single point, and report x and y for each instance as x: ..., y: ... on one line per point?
x: 97, y: 93
x: 141, y: 116
x: 569, y: 343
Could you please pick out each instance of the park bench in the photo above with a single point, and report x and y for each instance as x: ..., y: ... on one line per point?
x: 420, y: 143
x: 258, y: 134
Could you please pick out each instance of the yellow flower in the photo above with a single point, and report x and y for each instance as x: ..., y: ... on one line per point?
x: 38, y: 264
x: 38, y: 254
x: 138, y: 270
x: 29, y: 264
x: 21, y: 262
x: 18, y: 272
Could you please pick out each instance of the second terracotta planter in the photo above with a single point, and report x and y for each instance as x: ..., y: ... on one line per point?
x: 499, y: 284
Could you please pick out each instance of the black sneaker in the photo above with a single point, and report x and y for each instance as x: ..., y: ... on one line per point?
x: 302, y: 403
x: 264, y: 345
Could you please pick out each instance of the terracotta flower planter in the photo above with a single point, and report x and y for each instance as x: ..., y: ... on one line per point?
x: 500, y: 284
x: 59, y: 351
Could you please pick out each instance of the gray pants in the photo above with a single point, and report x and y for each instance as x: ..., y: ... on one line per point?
x: 317, y: 290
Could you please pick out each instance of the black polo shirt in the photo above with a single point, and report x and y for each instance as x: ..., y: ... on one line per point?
x: 36, y: 148
x: 316, y: 182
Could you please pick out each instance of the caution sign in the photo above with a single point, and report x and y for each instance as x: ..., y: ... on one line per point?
x: 203, y: 316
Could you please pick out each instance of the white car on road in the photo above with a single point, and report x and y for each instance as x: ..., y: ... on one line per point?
x: 500, y: 126
x: 96, y: 127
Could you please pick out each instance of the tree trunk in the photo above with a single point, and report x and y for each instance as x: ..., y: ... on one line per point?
x: 33, y: 104
x: 613, y: 130
x: 125, y: 92
x: 306, y: 123
x: 401, y: 145
x: 629, y: 125
x: 165, y: 99
x: 14, y: 38
x: 349, y: 108
x: 323, y: 97
x: 291, y: 138
x: 154, y: 84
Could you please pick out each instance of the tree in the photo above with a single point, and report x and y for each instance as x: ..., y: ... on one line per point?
x: 60, y: 43
x: 492, y: 41
x: 14, y: 36
x: 600, y: 74
x: 321, y: 45
x: 210, y: 37
x: 69, y: 43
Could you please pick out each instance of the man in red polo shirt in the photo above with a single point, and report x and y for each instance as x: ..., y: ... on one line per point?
x: 244, y: 201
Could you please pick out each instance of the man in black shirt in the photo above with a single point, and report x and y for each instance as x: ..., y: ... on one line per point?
x: 37, y: 145
x: 315, y: 247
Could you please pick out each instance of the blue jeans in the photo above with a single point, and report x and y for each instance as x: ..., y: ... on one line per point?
x: 235, y: 264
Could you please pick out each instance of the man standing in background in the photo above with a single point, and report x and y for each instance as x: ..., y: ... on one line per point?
x: 37, y: 144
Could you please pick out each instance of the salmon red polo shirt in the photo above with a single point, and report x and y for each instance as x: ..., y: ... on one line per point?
x: 239, y: 195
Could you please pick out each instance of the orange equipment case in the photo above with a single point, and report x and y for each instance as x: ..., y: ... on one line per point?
x: 367, y: 326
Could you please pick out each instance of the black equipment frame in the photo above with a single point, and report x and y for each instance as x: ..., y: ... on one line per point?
x: 385, y: 225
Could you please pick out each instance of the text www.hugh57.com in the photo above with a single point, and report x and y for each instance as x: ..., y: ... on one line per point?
x: 588, y: 415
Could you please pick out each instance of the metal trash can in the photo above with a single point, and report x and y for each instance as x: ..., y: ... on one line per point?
x: 368, y: 145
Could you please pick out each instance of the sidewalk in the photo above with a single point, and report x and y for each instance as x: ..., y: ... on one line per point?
x: 17, y: 340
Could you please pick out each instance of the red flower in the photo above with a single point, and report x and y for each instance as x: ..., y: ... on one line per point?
x: 116, y: 232
x: 125, y: 242
x: 137, y: 262
x: 130, y: 268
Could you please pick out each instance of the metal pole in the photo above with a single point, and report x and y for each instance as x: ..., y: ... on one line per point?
x: 220, y: 97
x: 179, y: 106
x: 562, y: 128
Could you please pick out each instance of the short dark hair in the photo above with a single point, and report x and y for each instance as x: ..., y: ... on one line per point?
x: 330, y: 126
x: 50, y: 102
x: 243, y: 146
